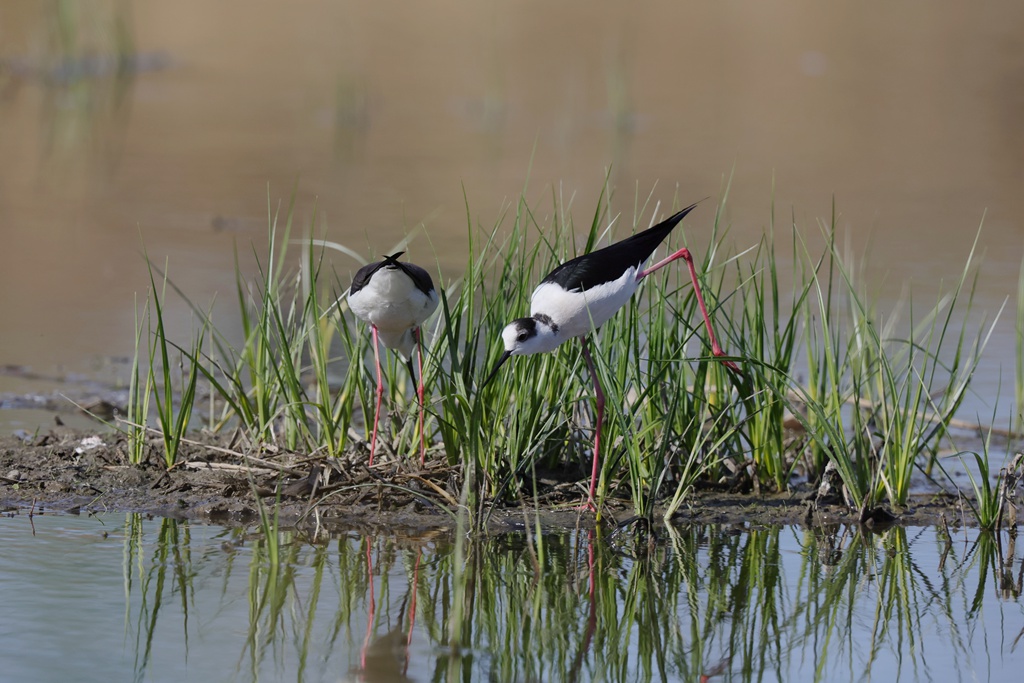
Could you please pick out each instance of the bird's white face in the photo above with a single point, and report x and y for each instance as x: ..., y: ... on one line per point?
x: 523, y: 337
x: 527, y: 336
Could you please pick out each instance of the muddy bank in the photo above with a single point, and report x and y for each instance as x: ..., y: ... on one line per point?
x: 220, y: 481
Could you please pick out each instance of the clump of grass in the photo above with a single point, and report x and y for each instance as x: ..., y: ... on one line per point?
x: 987, y: 503
x: 675, y: 427
x: 140, y: 390
x: 876, y: 404
x: 874, y: 401
x: 770, y: 334
x: 994, y: 496
x: 174, y: 421
x: 279, y: 383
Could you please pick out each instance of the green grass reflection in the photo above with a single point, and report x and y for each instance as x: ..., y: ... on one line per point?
x: 690, y: 603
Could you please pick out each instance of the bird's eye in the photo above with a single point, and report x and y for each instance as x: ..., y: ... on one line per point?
x: 522, y: 337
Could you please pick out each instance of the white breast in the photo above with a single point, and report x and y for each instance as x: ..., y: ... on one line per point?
x: 577, y: 313
x: 392, y: 303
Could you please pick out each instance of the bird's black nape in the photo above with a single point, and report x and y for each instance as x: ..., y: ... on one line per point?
x: 363, y: 275
x: 412, y: 370
x: 501, y: 361
x: 419, y: 276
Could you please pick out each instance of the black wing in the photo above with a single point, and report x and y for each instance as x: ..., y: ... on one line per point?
x: 419, y: 276
x: 609, y: 263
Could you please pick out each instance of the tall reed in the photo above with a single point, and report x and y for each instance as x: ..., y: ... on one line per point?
x: 873, y: 394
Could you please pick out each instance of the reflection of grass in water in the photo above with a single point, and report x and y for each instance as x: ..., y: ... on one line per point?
x: 875, y: 402
x: 618, y: 606
x: 87, y: 70
x: 168, y: 575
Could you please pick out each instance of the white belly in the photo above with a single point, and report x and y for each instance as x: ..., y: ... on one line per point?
x: 577, y: 313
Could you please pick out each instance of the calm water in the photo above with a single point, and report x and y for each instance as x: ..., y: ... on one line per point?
x: 388, y: 115
x: 120, y: 597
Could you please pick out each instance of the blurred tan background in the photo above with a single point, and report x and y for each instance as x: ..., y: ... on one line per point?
x: 127, y: 122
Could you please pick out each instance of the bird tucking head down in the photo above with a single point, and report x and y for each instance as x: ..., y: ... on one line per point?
x: 395, y: 298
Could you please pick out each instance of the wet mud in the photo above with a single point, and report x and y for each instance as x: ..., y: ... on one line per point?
x: 222, y: 481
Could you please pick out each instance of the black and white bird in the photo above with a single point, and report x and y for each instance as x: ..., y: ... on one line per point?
x: 394, y: 299
x: 582, y: 294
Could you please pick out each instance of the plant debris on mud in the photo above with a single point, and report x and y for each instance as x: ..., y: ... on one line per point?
x: 218, y: 481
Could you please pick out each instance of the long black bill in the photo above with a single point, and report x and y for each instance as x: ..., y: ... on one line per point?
x: 412, y: 370
x: 501, y: 361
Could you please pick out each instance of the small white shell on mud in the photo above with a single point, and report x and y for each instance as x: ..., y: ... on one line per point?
x: 89, y: 443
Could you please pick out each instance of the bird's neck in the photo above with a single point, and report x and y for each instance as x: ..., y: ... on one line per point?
x: 549, y: 335
x: 544, y: 320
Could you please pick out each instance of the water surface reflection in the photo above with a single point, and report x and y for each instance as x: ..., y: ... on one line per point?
x: 160, y: 599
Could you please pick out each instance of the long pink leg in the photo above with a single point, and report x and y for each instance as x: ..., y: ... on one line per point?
x: 380, y: 395
x: 597, y: 432
x: 419, y: 392
x: 684, y: 254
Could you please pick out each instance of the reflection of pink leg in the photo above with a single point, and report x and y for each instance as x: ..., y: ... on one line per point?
x: 717, y: 670
x: 412, y: 607
x: 373, y: 606
x: 599, y: 395
x: 590, y: 582
x: 588, y: 636
x: 684, y: 254
x: 419, y: 392
x: 380, y: 396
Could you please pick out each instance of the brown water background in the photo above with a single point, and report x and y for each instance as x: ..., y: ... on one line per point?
x: 386, y: 115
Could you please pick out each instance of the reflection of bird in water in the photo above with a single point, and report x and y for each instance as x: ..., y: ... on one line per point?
x: 384, y: 658
x: 717, y: 670
x: 394, y: 299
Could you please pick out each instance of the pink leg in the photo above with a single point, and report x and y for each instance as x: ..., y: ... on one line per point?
x: 380, y: 396
x: 419, y: 392
x: 597, y: 432
x: 684, y: 254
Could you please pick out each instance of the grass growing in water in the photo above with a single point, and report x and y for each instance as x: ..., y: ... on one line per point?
x: 875, y: 403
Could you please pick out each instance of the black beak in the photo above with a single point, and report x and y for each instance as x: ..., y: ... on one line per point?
x: 412, y: 371
x: 501, y: 361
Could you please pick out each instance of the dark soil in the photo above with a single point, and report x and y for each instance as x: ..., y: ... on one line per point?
x: 220, y: 481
